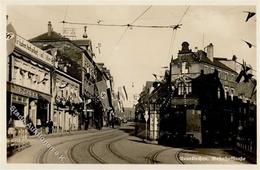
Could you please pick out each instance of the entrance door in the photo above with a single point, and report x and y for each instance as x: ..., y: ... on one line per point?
x: 42, y: 111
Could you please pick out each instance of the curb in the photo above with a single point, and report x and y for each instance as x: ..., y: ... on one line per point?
x: 69, y: 134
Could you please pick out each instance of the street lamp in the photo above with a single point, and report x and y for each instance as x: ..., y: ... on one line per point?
x: 146, y: 116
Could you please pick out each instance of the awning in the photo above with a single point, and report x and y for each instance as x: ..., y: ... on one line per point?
x: 45, y: 97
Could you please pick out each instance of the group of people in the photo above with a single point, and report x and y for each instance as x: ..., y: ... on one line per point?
x: 43, y: 125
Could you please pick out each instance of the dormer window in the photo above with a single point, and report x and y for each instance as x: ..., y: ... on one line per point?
x: 184, y: 68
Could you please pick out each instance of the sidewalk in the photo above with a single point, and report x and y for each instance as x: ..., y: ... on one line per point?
x: 29, y: 153
x: 75, y: 132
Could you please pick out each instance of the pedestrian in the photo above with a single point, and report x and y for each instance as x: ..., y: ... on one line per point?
x: 39, y: 124
x: 50, y: 125
x: 86, y: 123
x: 47, y: 127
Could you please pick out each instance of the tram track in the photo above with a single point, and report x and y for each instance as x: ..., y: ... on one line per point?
x: 151, y: 158
x: 41, y: 158
x: 114, y: 151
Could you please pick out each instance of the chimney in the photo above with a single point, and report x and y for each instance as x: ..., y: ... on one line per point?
x: 49, y: 28
x: 85, y: 32
x: 210, y: 51
x: 234, y: 58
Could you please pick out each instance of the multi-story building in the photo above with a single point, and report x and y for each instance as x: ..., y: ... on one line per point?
x: 29, y: 83
x: 76, y: 59
x: 200, y: 102
x: 190, y: 64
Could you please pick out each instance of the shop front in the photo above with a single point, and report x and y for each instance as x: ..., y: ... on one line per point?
x: 67, y: 104
x: 30, y: 104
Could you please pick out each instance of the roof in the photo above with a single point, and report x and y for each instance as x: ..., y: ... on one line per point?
x: 45, y: 37
x: 82, y: 42
x: 201, y: 56
x: 58, y: 37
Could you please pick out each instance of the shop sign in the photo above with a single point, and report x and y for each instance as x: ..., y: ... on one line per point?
x: 33, y: 50
x: 23, y: 91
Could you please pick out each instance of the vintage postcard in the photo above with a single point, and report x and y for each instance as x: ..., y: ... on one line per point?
x: 130, y: 84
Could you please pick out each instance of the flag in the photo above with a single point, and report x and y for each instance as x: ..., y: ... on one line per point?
x: 125, y: 92
x: 250, y: 45
x: 249, y: 15
x: 122, y: 93
x: 10, y: 38
x: 243, y: 73
x: 102, y: 93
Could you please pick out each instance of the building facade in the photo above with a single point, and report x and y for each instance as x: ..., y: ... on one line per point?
x: 75, y: 57
x: 200, y: 102
x: 29, y: 83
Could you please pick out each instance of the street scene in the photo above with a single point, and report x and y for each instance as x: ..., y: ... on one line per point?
x: 122, y: 84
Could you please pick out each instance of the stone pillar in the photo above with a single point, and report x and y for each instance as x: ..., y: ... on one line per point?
x: 33, y: 112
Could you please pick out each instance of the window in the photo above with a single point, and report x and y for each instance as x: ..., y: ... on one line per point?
x: 184, y: 88
x: 225, y: 76
x: 218, y: 93
x: 206, y: 69
x: 232, y: 91
x: 232, y: 77
x: 181, y: 89
x: 188, y: 88
x: 184, y: 68
x: 212, y: 69
x: 219, y: 74
x: 226, y: 92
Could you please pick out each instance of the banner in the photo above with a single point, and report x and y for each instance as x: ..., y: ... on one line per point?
x: 102, y: 93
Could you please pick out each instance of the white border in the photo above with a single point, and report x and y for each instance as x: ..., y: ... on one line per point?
x: 3, y: 5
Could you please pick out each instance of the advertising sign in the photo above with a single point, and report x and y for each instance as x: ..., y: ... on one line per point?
x: 33, y: 50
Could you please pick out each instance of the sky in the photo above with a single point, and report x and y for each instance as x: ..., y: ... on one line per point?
x: 144, y: 51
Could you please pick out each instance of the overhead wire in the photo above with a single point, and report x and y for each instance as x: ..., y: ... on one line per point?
x: 65, y: 17
x: 128, y: 25
x: 174, y: 31
x: 118, y: 25
x: 141, y: 14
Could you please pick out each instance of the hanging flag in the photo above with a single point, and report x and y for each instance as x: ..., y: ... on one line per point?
x: 108, y: 84
x: 125, y: 92
x: 122, y: 93
x: 243, y: 73
x: 102, y: 93
x: 10, y: 38
x: 249, y: 15
x: 250, y: 45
